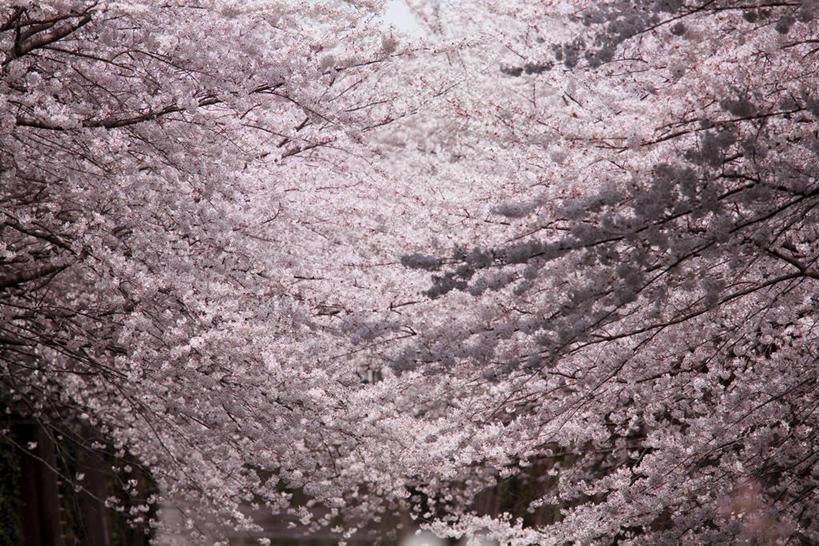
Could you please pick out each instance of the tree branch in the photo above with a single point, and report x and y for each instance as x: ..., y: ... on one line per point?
x: 115, y: 123
x: 21, y: 277
x: 805, y: 270
x: 53, y: 33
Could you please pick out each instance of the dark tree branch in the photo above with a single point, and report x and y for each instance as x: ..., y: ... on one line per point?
x: 115, y: 123
x: 52, y: 33
x: 20, y: 277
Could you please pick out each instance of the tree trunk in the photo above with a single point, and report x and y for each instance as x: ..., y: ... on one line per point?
x: 39, y: 489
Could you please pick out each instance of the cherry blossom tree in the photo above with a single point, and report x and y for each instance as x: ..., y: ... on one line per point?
x: 157, y: 231
x: 655, y: 324
x: 220, y: 219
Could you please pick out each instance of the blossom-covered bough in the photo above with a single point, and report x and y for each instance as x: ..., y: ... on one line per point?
x: 208, y: 242
x: 159, y: 167
x: 660, y: 322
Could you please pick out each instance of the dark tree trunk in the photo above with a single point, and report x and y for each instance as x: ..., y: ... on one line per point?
x: 95, y: 516
x: 39, y: 489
